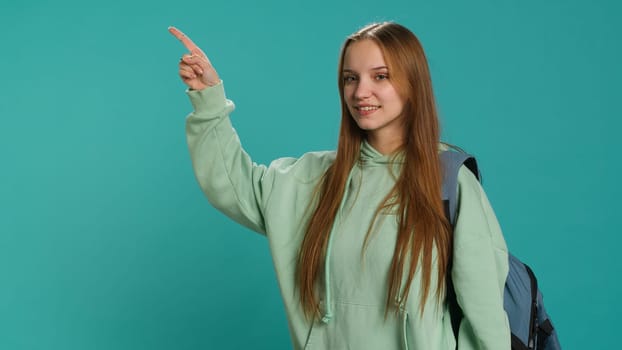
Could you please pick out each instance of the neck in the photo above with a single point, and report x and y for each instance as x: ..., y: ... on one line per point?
x: 384, y: 145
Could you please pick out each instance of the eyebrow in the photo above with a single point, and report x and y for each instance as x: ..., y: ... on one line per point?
x: 374, y: 68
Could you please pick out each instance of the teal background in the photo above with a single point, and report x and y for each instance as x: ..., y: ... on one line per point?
x: 106, y: 241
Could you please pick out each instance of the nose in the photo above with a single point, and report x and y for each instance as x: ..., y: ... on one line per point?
x: 363, y: 89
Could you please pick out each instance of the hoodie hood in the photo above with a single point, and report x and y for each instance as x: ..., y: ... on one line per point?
x: 371, y: 157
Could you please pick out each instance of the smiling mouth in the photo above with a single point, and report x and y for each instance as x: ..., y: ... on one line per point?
x: 367, y: 108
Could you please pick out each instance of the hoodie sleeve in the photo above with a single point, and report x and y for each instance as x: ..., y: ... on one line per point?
x: 230, y: 180
x: 480, y: 268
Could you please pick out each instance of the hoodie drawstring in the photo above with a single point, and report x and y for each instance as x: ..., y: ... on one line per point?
x: 328, y: 310
x: 404, y: 326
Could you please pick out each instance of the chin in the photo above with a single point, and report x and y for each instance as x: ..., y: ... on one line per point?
x: 365, y: 123
x: 366, y: 126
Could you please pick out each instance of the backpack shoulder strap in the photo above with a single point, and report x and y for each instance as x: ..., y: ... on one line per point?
x: 451, y: 161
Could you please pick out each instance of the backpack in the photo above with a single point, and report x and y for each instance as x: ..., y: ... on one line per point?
x: 530, y: 325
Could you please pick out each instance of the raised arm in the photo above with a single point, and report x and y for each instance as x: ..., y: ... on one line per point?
x: 228, y: 177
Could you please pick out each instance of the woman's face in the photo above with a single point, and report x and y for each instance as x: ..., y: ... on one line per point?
x: 369, y: 94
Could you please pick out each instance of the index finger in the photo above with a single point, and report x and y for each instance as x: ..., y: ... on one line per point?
x: 189, y: 44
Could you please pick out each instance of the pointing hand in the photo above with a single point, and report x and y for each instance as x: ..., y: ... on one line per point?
x: 195, y: 69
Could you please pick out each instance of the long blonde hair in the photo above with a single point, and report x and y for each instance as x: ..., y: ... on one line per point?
x: 422, y: 226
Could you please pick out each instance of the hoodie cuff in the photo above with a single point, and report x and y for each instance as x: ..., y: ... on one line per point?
x: 211, y: 101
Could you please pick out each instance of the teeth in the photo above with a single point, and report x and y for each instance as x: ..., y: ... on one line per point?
x: 368, y: 108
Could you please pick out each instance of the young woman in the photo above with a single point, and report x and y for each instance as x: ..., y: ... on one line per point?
x: 359, y: 238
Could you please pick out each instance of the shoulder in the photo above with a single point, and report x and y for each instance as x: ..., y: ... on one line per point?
x: 307, y: 168
x: 470, y: 190
x: 476, y: 217
x: 467, y: 180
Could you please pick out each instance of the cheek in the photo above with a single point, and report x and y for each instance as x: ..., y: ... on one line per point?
x: 347, y: 96
x: 347, y: 93
x: 392, y: 96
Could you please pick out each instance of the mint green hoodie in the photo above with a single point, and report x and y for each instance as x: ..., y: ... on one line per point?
x: 273, y: 200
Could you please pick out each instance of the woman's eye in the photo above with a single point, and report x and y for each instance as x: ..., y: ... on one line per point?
x: 349, y: 78
x: 382, y: 76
